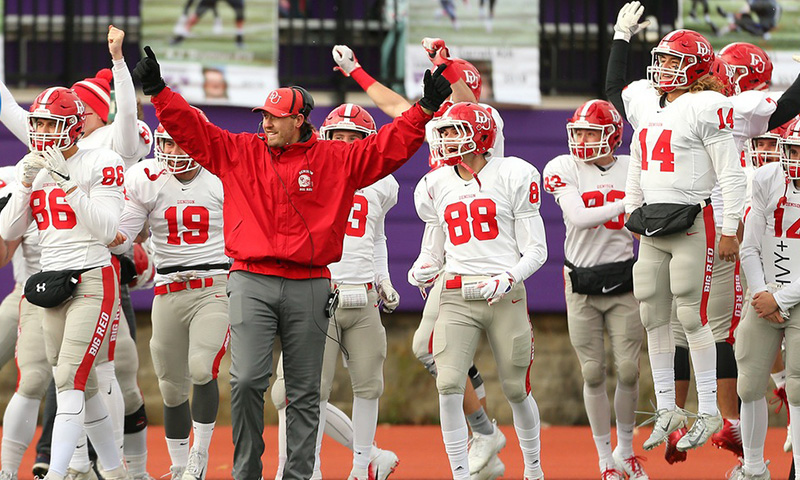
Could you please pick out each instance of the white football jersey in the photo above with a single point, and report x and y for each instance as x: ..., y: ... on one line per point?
x: 185, y: 218
x: 478, y: 220
x: 25, y: 260
x: 66, y: 224
x: 498, y: 148
x: 607, y: 243
x: 365, y: 223
x: 105, y: 137
x: 640, y: 99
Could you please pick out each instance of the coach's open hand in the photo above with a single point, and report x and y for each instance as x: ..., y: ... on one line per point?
x: 436, y: 89
x: 148, y: 72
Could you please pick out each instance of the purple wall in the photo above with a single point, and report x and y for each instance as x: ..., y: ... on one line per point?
x: 537, y: 136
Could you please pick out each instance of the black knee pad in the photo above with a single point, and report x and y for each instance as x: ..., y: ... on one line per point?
x: 682, y: 370
x: 726, y: 361
x: 475, y: 377
x: 136, y: 421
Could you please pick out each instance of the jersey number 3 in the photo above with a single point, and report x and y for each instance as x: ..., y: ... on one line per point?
x: 481, y: 222
x: 195, y: 224
x: 357, y: 225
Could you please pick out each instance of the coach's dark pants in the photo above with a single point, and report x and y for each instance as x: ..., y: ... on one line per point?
x: 260, y: 307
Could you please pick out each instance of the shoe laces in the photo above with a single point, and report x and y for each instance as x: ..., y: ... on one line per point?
x: 735, y: 472
x: 174, y: 472
x: 779, y: 400
x: 194, y: 465
x: 634, y: 461
x: 657, y: 413
x: 611, y: 474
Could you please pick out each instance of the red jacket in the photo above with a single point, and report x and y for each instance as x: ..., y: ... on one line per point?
x: 263, y: 232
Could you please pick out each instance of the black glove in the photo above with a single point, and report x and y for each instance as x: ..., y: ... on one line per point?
x: 148, y: 72
x: 435, y: 88
x: 4, y: 201
x: 127, y: 269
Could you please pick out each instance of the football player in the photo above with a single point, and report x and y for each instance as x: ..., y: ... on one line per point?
x: 182, y: 204
x: 772, y: 273
x: 589, y: 185
x: 362, y: 279
x: 76, y: 202
x: 482, y: 219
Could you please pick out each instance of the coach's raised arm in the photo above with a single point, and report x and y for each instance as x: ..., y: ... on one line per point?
x: 287, y: 200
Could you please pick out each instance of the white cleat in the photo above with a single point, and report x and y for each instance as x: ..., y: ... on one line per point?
x: 118, y: 473
x: 358, y: 474
x: 175, y: 472
x: 73, y: 474
x: 484, y: 447
x: 383, y: 464
x: 631, y: 466
x: 704, y: 426
x: 494, y: 469
x: 664, y: 422
x: 6, y: 475
x: 612, y: 474
x: 196, y: 466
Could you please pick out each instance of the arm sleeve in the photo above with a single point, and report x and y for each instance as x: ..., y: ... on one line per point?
x: 100, y: 210
x: 378, y: 155
x: 634, y: 197
x: 14, y: 117
x: 380, y: 253
x: 563, y: 187
x: 431, y: 250
x: 125, y: 129
x: 788, y: 106
x: 754, y: 228
x: 16, y: 216
x: 209, y: 145
x: 532, y: 245
x: 615, y: 74
x: 733, y: 182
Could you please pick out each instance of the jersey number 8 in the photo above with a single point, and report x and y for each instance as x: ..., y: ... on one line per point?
x: 481, y: 221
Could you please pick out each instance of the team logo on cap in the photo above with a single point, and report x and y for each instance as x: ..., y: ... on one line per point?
x: 274, y: 97
x: 304, y: 181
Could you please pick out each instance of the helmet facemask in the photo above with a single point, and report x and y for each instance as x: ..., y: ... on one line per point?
x: 791, y: 166
x: 59, y: 137
x: 761, y: 156
x: 656, y: 72
x: 450, y: 150
x: 589, y: 151
x: 172, y: 163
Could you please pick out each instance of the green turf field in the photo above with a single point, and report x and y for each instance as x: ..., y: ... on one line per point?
x: 515, y: 23
x: 260, y: 36
x: 786, y: 36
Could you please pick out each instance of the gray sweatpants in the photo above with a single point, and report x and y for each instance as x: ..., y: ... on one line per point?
x: 260, y: 307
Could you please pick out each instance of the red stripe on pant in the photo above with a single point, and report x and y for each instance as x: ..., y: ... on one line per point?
x: 711, y: 236
x: 112, y: 340
x: 530, y: 365
x: 220, y: 354
x: 738, y: 302
x: 16, y: 347
x: 104, y: 321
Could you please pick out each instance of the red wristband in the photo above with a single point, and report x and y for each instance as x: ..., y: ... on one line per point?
x: 452, y: 73
x: 362, y: 78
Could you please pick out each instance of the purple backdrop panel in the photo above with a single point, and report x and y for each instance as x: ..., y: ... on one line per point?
x: 536, y: 136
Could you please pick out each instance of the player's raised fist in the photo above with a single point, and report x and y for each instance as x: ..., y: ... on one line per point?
x: 437, y: 50
x: 345, y: 59
x: 628, y: 21
x: 435, y: 89
x: 148, y: 72
x: 115, y: 38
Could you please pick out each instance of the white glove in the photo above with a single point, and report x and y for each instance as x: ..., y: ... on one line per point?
x: 345, y: 59
x: 438, y: 53
x: 424, y: 275
x: 28, y: 168
x: 56, y: 164
x: 628, y: 21
x: 494, y: 289
x: 390, y: 297
x: 180, y: 277
x: 796, y: 58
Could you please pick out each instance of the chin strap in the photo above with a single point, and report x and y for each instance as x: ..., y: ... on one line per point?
x: 472, y: 172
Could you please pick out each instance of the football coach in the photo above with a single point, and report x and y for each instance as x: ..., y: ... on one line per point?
x: 287, y: 200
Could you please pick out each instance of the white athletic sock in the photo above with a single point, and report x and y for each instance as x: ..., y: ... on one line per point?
x: 454, y: 433
x: 178, y: 449
x: 704, y: 361
x: 338, y: 426
x: 80, y: 456
x: 67, y: 429
x: 136, y: 452
x: 323, y: 411
x: 664, y: 385
x: 111, y: 394
x: 101, y: 432
x: 625, y: 438
x: 19, y: 427
x: 281, y: 442
x: 202, y: 435
x: 527, y: 425
x: 661, y: 347
x: 779, y: 378
x: 365, y: 422
x: 754, y: 434
x: 706, y: 382
x: 794, y: 412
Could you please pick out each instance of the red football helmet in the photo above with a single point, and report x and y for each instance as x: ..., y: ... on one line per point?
x: 791, y: 141
x: 694, y: 52
x: 751, y: 64
x: 723, y: 72
x: 62, y: 105
x: 764, y: 148
x: 475, y: 130
x: 471, y: 76
x: 597, y: 115
x: 171, y: 162
x: 347, y: 117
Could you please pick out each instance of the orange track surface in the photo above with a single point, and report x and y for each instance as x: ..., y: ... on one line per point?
x: 567, y: 453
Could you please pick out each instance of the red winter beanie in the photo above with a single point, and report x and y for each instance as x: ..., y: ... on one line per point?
x: 96, y: 92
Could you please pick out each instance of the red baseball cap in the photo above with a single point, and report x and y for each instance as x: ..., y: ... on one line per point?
x: 283, y: 102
